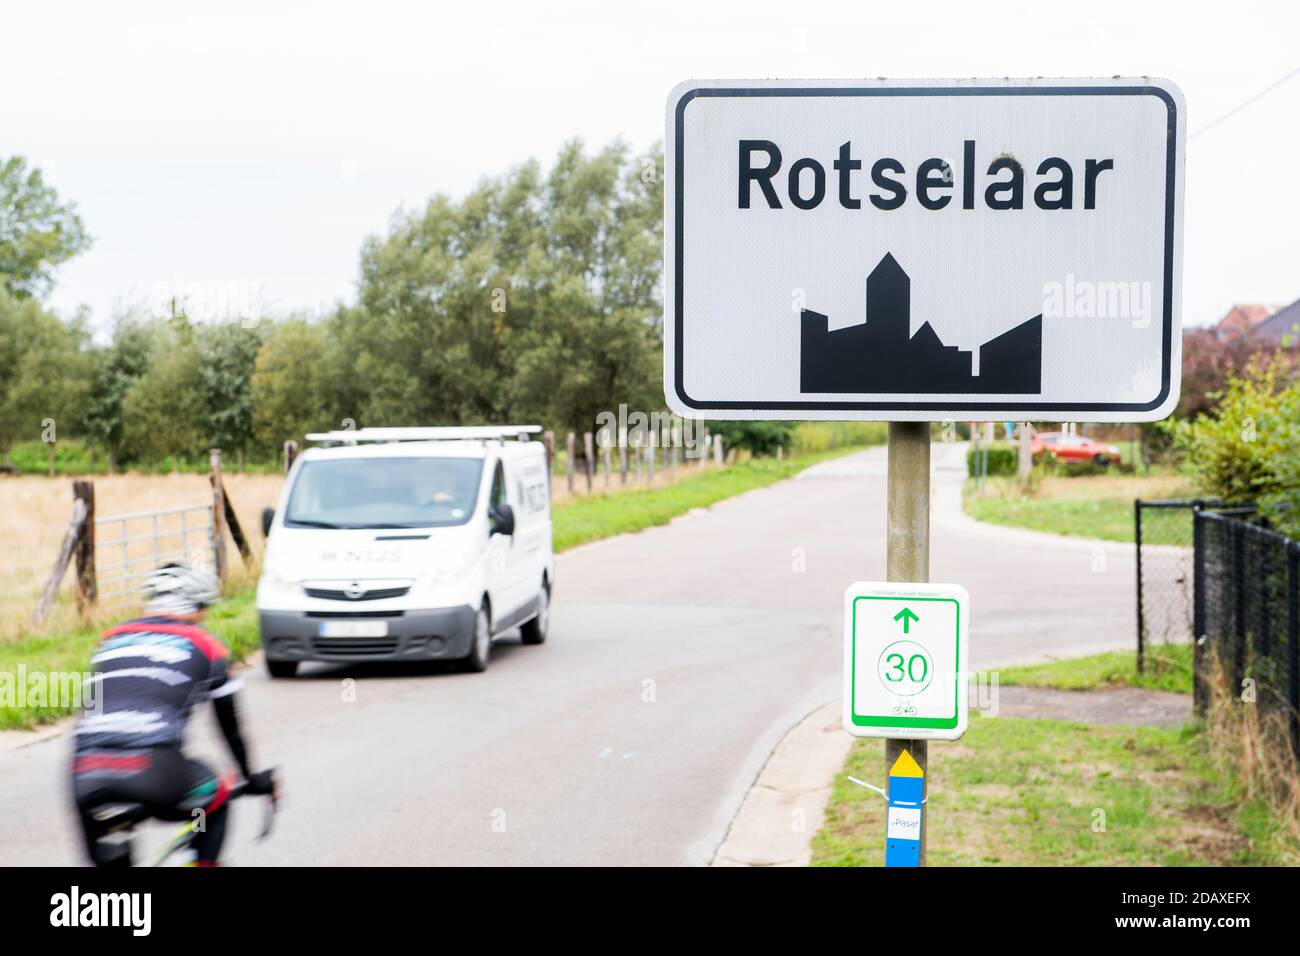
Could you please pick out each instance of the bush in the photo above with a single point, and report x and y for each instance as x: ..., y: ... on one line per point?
x: 71, y: 457
x: 1050, y: 465
x: 1003, y: 459
x: 812, y: 438
x: 1248, y: 449
x: 758, y: 438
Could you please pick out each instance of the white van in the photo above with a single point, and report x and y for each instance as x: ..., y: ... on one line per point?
x: 407, y: 544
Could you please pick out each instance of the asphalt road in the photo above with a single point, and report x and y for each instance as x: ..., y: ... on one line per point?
x: 677, y: 659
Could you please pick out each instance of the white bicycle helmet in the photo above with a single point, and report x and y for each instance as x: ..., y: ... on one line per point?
x: 179, y: 589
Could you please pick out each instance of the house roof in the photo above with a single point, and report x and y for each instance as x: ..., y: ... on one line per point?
x: 1243, y: 318
x: 1283, y: 326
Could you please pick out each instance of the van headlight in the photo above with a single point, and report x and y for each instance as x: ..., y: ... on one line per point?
x: 277, y: 580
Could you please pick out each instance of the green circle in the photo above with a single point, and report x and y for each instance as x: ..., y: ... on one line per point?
x: 905, y: 668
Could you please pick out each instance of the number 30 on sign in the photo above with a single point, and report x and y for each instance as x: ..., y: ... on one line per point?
x: 906, y: 653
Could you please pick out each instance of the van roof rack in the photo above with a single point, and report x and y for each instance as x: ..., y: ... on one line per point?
x: 353, y: 436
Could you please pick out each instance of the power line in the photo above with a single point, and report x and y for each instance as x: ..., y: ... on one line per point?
x: 1242, y: 105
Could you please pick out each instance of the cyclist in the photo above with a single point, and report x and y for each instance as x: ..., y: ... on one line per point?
x: 149, y: 674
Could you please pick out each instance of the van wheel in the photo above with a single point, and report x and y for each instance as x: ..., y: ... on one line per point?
x: 281, y: 668
x: 534, y: 631
x: 480, y: 650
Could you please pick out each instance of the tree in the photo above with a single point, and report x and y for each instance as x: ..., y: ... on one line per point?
x: 227, y: 354
x: 535, y: 297
x: 1209, y: 359
x: 428, y: 344
x: 292, y: 383
x: 116, y: 369
x: 164, y: 411
x: 45, y: 373
x: 37, y: 231
x: 593, y: 339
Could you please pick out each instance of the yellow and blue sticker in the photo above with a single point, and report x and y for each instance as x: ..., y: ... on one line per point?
x: 906, y: 803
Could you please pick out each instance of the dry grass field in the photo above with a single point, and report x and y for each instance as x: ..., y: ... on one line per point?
x: 34, y: 515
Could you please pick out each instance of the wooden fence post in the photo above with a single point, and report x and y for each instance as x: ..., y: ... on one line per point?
x: 650, y: 464
x: 218, y: 513
x: 548, y: 439
x: 570, y: 444
x: 87, y: 586
x: 1025, y: 462
x: 236, y: 529
x: 290, y: 454
x: 606, y: 456
x: 70, y: 539
x: 622, y: 456
x: 718, y: 455
x: 589, y: 455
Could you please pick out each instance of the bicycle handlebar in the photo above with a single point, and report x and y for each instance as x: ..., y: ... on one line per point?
x: 241, y: 789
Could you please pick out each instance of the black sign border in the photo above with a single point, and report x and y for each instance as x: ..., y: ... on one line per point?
x: 1171, y: 148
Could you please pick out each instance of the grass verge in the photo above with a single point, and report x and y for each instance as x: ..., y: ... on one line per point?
x: 44, y: 662
x: 1098, y: 506
x: 580, y: 520
x: 1167, y: 667
x: 1048, y: 793
x: 1250, y: 737
x: 576, y: 521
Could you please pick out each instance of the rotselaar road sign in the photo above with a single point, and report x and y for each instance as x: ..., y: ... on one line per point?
x: 919, y: 250
x: 906, y: 654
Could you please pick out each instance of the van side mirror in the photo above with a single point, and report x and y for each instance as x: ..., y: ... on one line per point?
x: 503, y: 520
x: 268, y: 515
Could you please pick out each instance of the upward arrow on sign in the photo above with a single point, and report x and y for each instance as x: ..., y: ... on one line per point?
x: 907, y: 617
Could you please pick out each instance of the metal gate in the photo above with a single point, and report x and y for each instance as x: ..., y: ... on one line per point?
x: 131, y: 545
x: 1162, y: 531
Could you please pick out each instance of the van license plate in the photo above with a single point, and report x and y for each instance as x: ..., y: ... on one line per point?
x: 354, y: 629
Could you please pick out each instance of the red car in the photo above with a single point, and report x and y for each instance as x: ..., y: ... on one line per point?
x: 1066, y: 447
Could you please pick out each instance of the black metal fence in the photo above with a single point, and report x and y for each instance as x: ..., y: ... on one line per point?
x: 1163, y: 533
x: 1246, y: 611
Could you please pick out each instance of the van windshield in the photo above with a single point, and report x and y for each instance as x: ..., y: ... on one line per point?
x: 384, y: 493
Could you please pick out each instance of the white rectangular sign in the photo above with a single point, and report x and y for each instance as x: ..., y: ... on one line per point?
x: 906, y: 654
x: 924, y: 249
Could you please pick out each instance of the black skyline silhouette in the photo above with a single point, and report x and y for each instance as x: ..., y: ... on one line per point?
x: 881, y: 356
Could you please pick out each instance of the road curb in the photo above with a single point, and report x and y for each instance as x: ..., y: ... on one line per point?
x: 11, y: 740
x: 786, y: 804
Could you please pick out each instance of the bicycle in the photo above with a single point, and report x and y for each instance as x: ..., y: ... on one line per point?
x: 120, y: 820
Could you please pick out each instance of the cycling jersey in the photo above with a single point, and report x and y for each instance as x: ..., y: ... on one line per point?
x: 150, y: 674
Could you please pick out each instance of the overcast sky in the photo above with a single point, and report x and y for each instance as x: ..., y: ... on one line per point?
x: 256, y: 145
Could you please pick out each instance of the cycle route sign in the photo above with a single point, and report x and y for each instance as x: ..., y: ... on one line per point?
x: 906, y: 660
